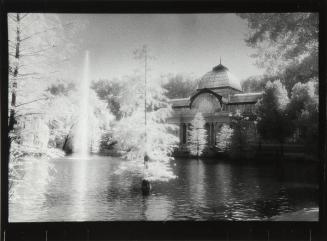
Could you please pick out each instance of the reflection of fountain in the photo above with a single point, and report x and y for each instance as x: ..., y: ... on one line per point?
x: 81, y: 140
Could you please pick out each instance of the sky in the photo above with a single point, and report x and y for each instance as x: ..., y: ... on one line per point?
x: 189, y: 44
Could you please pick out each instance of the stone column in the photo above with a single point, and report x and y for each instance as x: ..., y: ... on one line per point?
x: 180, y: 134
x: 213, y: 136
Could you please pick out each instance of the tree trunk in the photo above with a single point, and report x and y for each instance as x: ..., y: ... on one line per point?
x: 65, y: 142
x: 15, y: 69
x: 146, y: 185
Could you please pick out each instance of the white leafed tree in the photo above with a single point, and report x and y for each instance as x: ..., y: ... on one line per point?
x: 139, y: 133
x: 156, y: 138
x: 197, y: 135
x: 224, y: 138
x: 39, y: 45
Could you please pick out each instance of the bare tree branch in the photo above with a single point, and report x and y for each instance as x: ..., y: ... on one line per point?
x: 11, y: 44
x: 37, y: 52
x: 12, y: 18
x: 24, y: 16
x: 29, y: 102
x: 28, y: 74
x: 41, y: 32
x: 33, y: 77
x: 32, y: 113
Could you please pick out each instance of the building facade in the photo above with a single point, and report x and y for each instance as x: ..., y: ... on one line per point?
x: 218, y: 95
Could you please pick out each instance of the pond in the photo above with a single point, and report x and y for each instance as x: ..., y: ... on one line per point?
x: 88, y: 190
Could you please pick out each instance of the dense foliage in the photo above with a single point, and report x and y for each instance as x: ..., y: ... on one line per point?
x: 256, y: 83
x: 180, y: 86
x: 281, y: 118
x: 303, y: 112
x: 224, y: 138
x: 286, y: 44
x: 273, y: 122
x: 109, y: 91
x: 243, y: 135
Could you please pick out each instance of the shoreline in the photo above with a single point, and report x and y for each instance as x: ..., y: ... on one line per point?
x: 306, y: 214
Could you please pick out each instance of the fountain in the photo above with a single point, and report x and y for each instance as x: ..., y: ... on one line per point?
x: 81, y: 139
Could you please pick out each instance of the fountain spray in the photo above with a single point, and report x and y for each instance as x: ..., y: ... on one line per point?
x: 81, y: 140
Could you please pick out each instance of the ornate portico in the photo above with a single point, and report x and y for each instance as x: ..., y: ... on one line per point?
x: 218, y: 95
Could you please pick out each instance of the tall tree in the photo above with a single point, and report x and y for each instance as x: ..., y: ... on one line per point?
x: 36, y: 54
x: 273, y: 120
x: 286, y: 44
x: 197, y: 135
x: 38, y: 46
x: 142, y: 129
x: 303, y: 111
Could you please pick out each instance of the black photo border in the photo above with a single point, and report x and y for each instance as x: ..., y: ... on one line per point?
x: 163, y: 230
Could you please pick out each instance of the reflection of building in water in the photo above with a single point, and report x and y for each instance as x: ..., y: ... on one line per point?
x: 218, y: 95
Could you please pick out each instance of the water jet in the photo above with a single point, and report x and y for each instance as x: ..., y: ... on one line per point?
x: 81, y: 142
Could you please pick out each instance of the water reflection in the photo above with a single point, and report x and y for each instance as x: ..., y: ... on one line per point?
x: 157, y: 208
x: 89, y: 190
x: 222, y: 183
x: 196, y: 180
x: 80, y: 187
x: 31, y: 192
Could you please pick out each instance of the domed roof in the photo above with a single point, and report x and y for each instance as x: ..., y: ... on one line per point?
x: 218, y: 77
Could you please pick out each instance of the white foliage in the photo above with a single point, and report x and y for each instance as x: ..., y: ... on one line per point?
x: 45, y: 45
x: 156, y: 138
x: 224, y: 138
x: 35, y: 132
x: 38, y: 46
x: 22, y: 158
x: 197, y: 135
x: 99, y: 120
x: 280, y: 92
x: 63, y: 115
x: 304, y: 90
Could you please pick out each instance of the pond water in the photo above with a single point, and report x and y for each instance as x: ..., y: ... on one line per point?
x: 88, y: 190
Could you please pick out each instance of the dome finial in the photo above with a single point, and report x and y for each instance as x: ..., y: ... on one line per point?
x: 220, y: 59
